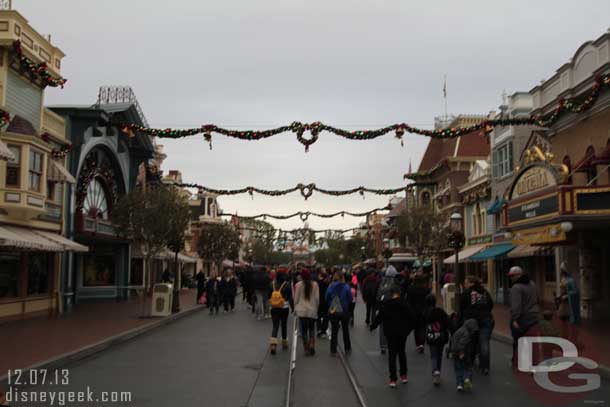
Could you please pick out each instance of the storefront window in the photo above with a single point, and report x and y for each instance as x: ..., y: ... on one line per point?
x: 13, y: 168
x: 137, y: 272
x: 9, y: 272
x: 39, y: 273
x: 98, y: 271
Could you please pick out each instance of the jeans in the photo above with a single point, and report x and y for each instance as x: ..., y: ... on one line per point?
x: 262, y: 303
x: 229, y: 303
x: 420, y: 331
x: 436, y: 357
x: 396, y: 348
x: 383, y: 343
x: 484, y: 337
x: 279, y: 316
x: 322, y: 322
x: 463, y: 369
x: 370, y: 312
x: 352, y: 307
x: 335, y: 322
x: 308, y: 330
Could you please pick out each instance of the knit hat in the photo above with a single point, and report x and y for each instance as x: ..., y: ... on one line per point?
x: 514, y: 271
x: 391, y: 271
x: 306, y: 274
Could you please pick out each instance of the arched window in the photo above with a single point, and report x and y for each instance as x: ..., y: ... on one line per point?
x: 591, y: 171
x: 568, y: 163
x: 97, y: 203
x: 425, y: 198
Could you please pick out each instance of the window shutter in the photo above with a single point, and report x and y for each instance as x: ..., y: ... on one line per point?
x: 510, y: 156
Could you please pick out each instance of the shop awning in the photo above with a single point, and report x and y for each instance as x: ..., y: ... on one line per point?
x: 69, y: 245
x: 164, y: 254
x: 464, y: 254
x: 495, y: 207
x: 526, y: 250
x: 5, y: 153
x: 492, y: 252
x: 58, y: 173
x: 25, y: 239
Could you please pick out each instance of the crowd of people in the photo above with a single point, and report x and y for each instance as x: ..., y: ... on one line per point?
x: 397, y: 303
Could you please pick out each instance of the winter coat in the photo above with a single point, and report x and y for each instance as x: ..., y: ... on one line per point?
x: 261, y: 280
x: 212, y: 289
x: 370, y: 287
x: 344, y: 292
x: 463, y: 339
x: 323, y: 306
x: 524, y: 307
x: 397, y: 318
x: 437, y: 314
x: 228, y: 288
x: 475, y: 302
x: 416, y: 295
x: 200, y: 277
x: 306, y: 308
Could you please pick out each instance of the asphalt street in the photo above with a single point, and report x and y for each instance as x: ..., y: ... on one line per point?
x: 223, y: 360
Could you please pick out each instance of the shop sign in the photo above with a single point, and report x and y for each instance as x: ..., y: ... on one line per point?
x: 593, y: 201
x: 533, y: 179
x: 533, y: 209
x: 539, y: 235
x: 473, y: 241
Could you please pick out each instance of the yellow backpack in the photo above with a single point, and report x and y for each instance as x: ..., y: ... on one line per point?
x: 277, y: 299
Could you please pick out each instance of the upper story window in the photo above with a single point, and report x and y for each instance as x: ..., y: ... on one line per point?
x: 54, y: 191
x: 13, y: 168
x: 96, y: 203
x: 502, y: 160
x: 35, y: 170
x: 425, y: 198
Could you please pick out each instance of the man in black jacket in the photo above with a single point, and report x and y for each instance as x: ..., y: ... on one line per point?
x: 261, y: 284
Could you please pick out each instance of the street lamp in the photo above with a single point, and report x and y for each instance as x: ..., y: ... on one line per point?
x: 456, y: 242
x: 387, y: 253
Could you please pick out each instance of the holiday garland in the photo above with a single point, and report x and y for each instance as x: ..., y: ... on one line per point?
x: 573, y: 105
x: 37, y: 70
x: 306, y: 190
x: 305, y: 215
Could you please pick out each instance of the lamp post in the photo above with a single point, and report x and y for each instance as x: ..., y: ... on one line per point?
x: 387, y: 253
x: 456, y: 242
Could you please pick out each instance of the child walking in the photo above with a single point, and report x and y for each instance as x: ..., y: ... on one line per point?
x: 463, y: 349
x: 437, y: 335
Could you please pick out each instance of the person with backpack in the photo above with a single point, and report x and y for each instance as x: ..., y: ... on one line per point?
x: 416, y: 295
x: 387, y: 286
x: 462, y: 347
x: 213, y: 294
x: 370, y: 285
x: 306, y: 301
x: 322, y: 323
x: 396, y: 318
x: 476, y: 302
x: 281, y: 302
x: 339, y: 298
x: 437, y: 335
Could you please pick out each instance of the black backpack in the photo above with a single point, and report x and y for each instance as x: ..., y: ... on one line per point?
x: 435, y: 334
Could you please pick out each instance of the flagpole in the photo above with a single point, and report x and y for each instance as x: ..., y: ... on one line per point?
x: 445, y: 95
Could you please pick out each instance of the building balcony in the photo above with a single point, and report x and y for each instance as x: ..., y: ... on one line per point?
x: 14, y: 27
x: 22, y: 204
x: 53, y: 124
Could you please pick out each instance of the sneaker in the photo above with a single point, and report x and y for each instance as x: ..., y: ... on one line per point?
x: 460, y: 388
x: 404, y: 379
x: 392, y: 383
x: 436, y: 380
x: 467, y: 384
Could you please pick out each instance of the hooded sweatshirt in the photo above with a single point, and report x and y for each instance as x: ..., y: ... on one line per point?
x: 462, y: 339
x: 524, y: 302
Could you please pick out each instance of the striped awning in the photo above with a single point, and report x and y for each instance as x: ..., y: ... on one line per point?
x: 69, y: 245
x: 58, y: 173
x: 26, y: 239
x: 5, y: 153
x: 464, y: 255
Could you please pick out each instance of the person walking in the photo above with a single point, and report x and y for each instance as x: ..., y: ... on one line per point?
x: 200, y: 278
x: 387, y: 285
x: 476, y: 302
x: 213, y: 294
x: 462, y: 347
x: 416, y: 295
x: 281, y: 302
x: 306, y: 302
x: 322, y: 323
x: 370, y: 286
x: 437, y: 335
x: 569, y: 305
x: 524, y: 308
x: 229, y: 291
x: 339, y: 298
x: 353, y: 283
x: 260, y: 284
x: 397, y: 320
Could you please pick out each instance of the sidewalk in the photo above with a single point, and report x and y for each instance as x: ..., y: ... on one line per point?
x: 29, y: 342
x: 594, y: 334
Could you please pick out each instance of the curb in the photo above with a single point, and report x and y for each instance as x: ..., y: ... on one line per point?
x: 604, y: 371
x: 97, y: 347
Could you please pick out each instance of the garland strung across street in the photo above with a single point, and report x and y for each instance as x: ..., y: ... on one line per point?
x: 306, y: 190
x: 305, y: 215
x: 37, y: 70
x: 573, y: 105
x: 303, y: 230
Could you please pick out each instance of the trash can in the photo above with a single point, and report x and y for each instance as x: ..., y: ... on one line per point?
x: 449, y: 293
x: 162, y: 300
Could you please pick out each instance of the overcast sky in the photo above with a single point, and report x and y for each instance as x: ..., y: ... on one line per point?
x: 356, y: 64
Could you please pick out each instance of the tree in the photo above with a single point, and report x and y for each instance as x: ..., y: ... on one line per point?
x: 424, y: 230
x: 146, y: 216
x: 217, y: 242
x: 179, y: 219
x: 262, y: 241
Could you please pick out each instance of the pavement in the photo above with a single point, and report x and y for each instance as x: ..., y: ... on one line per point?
x: 223, y: 360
